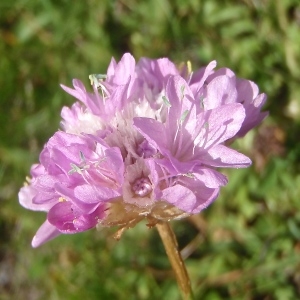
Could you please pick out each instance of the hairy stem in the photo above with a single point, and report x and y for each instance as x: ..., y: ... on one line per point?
x: 170, y: 243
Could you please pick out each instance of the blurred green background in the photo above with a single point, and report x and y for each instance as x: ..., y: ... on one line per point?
x: 244, y: 246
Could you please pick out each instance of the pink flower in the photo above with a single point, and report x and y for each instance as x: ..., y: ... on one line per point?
x: 190, y: 143
x: 217, y: 88
x: 144, y: 144
x: 76, y: 177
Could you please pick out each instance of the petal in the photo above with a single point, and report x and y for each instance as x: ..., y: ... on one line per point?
x: 111, y: 68
x: 247, y: 90
x: 81, y: 94
x: 222, y: 156
x: 90, y: 194
x: 183, y: 106
x: 155, y: 72
x: 210, y: 177
x: 119, y: 74
x: 218, y: 125
x: 118, y: 98
x: 68, y: 219
x: 45, y: 233
x: 86, y: 197
x: 36, y: 170
x: 253, y: 114
x: 153, y: 131
x: 164, y: 67
x: 26, y: 196
x: 114, y: 164
x: 220, y: 91
x: 220, y: 72
x: 201, y: 75
x: 181, y: 197
x: 78, y: 93
x: 61, y: 216
x: 191, y: 197
x: 204, y: 195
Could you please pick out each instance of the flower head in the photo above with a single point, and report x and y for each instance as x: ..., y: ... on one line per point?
x: 144, y: 144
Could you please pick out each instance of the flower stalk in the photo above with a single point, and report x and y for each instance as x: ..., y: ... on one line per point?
x: 171, y: 246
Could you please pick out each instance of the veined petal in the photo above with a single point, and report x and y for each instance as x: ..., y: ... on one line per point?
x: 120, y: 73
x: 183, y: 106
x: 204, y: 195
x: 67, y: 219
x: 218, y: 125
x: 155, y: 72
x: 91, y: 194
x: 221, y: 90
x: 61, y: 215
x: 253, y: 114
x: 153, y: 131
x: 118, y: 99
x: 26, y: 196
x: 247, y: 90
x: 37, y: 170
x: 45, y: 233
x: 201, y: 75
x: 81, y: 94
x: 210, y: 178
x: 87, y: 197
x: 111, y: 68
x: 192, y: 197
x: 221, y: 156
x: 181, y: 197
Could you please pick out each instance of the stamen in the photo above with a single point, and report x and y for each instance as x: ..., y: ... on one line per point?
x: 82, y: 157
x: 202, y: 101
x: 189, y: 66
x: 183, y: 116
x: 189, y: 174
x: 182, y: 88
x: 78, y: 169
x: 95, y: 79
x: 166, y: 101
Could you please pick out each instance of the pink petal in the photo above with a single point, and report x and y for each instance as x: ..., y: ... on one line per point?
x: 45, y: 233
x: 61, y: 216
x: 111, y: 68
x: 68, y: 219
x: 181, y: 197
x: 201, y: 75
x: 204, y: 195
x: 26, y: 196
x: 218, y: 125
x: 247, y: 90
x: 220, y: 91
x: 253, y: 114
x: 210, y: 177
x: 153, y: 131
x: 122, y: 71
x: 222, y: 156
x: 182, y: 102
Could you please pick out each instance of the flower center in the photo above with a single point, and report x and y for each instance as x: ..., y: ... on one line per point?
x: 142, y: 187
x: 145, y: 150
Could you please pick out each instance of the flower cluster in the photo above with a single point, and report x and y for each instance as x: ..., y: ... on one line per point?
x: 144, y: 144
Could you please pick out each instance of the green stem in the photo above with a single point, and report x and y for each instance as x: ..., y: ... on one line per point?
x: 170, y: 243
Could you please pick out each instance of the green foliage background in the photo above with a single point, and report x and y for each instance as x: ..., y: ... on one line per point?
x: 247, y: 244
